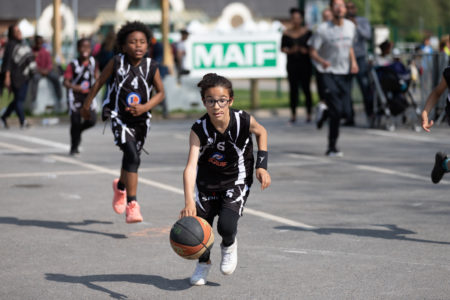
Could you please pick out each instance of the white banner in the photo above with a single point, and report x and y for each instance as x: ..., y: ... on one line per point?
x: 236, y: 56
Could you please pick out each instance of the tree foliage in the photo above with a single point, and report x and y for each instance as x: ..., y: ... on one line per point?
x: 409, y: 18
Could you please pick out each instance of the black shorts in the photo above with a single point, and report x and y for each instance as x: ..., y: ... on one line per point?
x: 210, y: 203
x: 130, y: 132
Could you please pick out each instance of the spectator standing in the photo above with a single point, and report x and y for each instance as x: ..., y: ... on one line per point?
x: 444, y: 48
x: 44, y: 69
x: 105, y: 54
x: 106, y: 50
x: 363, y: 35
x: 322, y: 110
x: 299, y: 67
x: 18, y: 65
x: 180, y: 55
x: 332, y: 51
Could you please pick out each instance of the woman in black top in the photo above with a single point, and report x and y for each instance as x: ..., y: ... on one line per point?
x: 299, y: 67
x: 18, y: 63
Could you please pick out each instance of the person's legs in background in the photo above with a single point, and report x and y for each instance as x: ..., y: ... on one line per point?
x: 305, y: 81
x: 364, y: 84
x: 294, y: 82
x: 17, y: 105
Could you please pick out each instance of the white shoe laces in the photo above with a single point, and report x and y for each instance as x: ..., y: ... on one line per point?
x: 227, y: 258
x: 200, y: 270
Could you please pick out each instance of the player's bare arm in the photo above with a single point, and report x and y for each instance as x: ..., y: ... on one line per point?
x: 189, y: 176
x: 432, y: 100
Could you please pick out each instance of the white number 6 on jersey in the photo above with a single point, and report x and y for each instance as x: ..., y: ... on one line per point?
x: 221, y: 146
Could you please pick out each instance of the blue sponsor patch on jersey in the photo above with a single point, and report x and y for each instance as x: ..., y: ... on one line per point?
x: 133, y: 98
x: 85, y: 85
x: 218, y: 156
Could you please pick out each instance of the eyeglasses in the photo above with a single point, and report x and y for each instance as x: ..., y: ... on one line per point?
x: 212, y: 102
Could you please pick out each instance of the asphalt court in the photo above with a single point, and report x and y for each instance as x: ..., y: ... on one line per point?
x: 370, y: 225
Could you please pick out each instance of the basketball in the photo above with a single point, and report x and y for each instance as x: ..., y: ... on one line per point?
x: 190, y: 237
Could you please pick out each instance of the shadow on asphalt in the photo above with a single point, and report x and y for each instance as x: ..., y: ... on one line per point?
x: 158, y: 281
x: 394, y: 233
x: 61, y: 225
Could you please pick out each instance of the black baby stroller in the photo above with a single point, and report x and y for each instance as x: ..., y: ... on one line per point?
x: 393, y: 100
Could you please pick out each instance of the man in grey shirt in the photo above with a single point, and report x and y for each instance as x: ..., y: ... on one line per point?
x: 331, y: 49
x: 363, y: 35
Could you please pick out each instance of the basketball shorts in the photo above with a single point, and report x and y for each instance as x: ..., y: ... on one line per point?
x: 209, y: 203
x: 130, y: 132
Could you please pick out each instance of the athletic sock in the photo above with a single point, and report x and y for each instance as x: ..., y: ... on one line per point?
x: 444, y: 164
x: 120, y: 186
x: 131, y: 198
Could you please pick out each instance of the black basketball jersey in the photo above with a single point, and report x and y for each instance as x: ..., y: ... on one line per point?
x: 130, y: 85
x: 83, y: 75
x: 226, y: 159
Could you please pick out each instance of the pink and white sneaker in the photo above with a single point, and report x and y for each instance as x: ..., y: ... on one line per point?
x: 119, y: 198
x: 133, y: 212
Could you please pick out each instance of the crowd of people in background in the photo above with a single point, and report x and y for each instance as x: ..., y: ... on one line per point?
x: 338, y: 50
x: 334, y: 52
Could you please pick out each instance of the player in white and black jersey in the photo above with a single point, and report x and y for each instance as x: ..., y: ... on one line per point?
x: 220, y: 167
x: 226, y: 159
x: 128, y: 104
x: 441, y: 162
x: 79, y: 77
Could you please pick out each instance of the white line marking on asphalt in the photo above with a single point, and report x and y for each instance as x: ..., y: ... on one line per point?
x: 37, y: 151
x: 347, y: 254
x: 48, y: 174
x: 368, y: 168
x: 16, y: 148
x: 35, y: 140
x: 181, y: 192
x: 407, y: 136
x: 159, y: 185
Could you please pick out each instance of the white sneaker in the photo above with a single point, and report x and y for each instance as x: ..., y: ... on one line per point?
x: 200, y: 273
x: 321, y: 114
x: 229, y: 258
x: 334, y: 153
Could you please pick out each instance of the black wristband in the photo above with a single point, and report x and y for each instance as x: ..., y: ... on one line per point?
x: 261, y: 159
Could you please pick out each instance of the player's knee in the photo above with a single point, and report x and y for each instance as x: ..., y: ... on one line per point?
x: 131, y: 160
x: 227, y: 229
x: 131, y: 163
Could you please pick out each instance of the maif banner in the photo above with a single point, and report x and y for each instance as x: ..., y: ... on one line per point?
x: 236, y: 55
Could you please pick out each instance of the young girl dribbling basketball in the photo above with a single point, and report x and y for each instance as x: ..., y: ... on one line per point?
x: 220, y: 166
x: 128, y: 104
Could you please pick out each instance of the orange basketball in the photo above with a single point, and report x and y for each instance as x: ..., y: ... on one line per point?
x: 190, y: 237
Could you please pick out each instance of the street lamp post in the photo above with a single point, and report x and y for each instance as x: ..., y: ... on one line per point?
x: 56, y: 29
x: 165, y: 24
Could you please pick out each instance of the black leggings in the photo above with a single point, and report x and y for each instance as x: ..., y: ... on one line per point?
x: 131, y: 157
x: 226, y: 226
x: 299, y: 75
x: 78, y: 126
